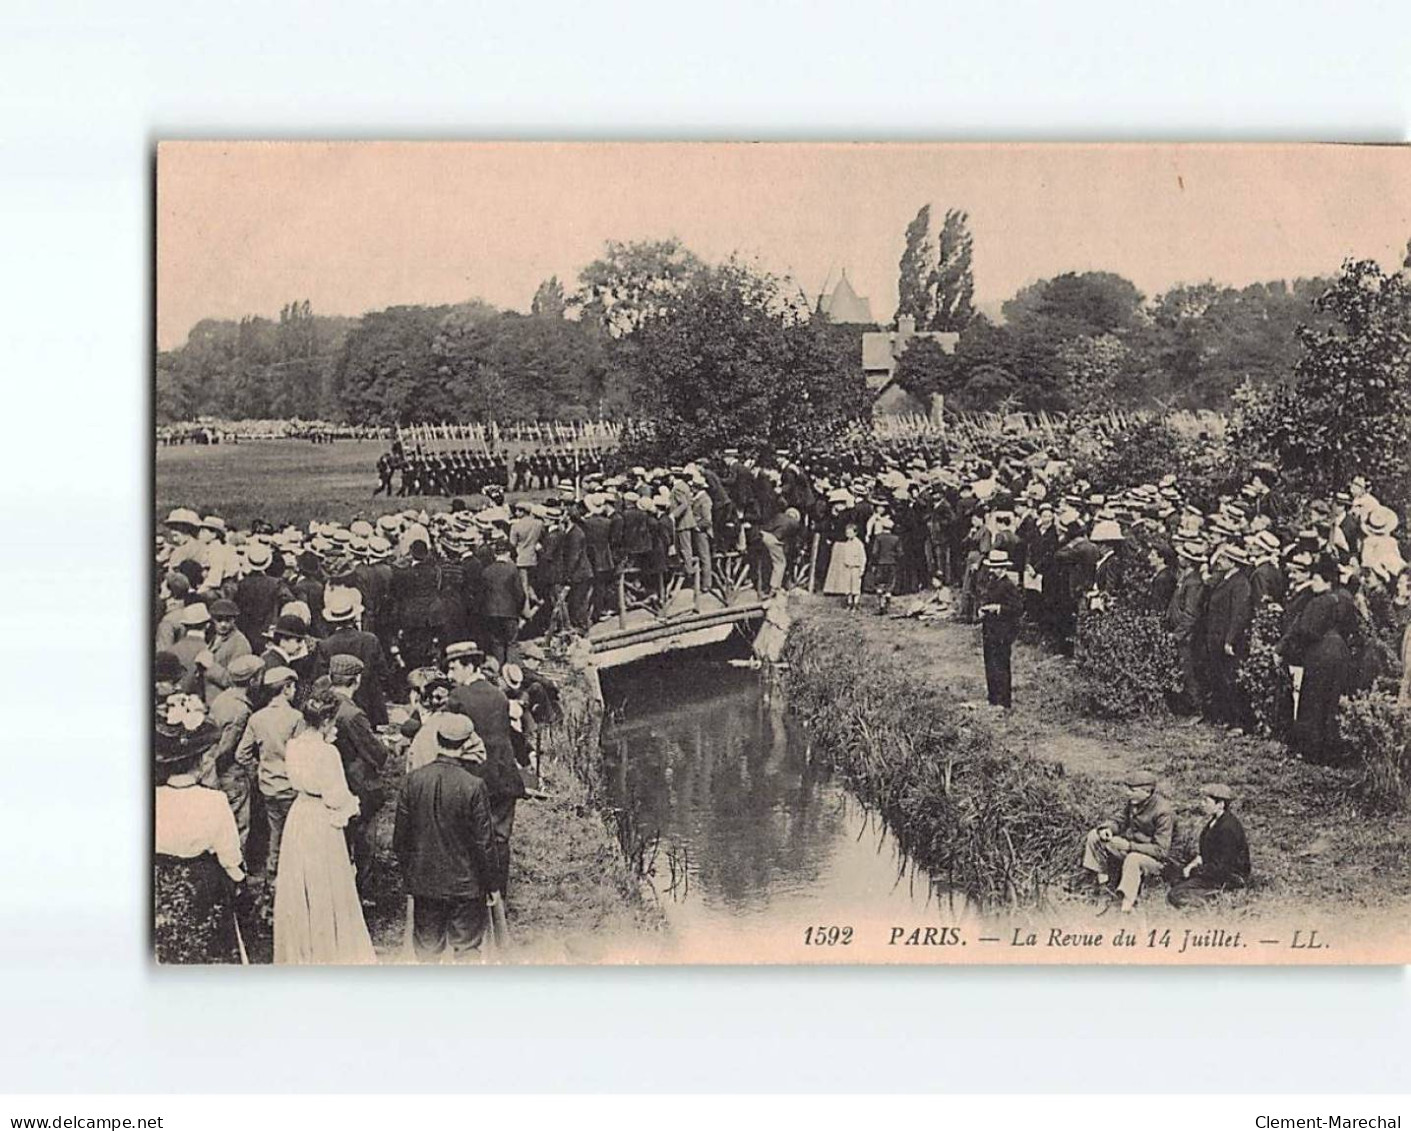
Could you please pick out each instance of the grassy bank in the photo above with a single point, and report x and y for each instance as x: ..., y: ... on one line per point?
x: 979, y: 816
x: 1311, y: 843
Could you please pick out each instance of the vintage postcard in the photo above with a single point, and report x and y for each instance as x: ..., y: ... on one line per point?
x: 781, y: 553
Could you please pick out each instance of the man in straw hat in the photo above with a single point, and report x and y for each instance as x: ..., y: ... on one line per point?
x: 342, y: 608
x: 1135, y: 843
x: 1229, y: 613
x: 443, y: 840
x: 1221, y: 862
x: 259, y: 594
x: 999, y: 625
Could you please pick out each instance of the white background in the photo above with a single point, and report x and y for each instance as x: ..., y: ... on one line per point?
x: 85, y: 89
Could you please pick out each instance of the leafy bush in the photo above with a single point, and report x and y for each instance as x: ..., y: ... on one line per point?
x: 1127, y: 664
x: 1140, y: 455
x: 1376, y: 734
x: 1264, y: 677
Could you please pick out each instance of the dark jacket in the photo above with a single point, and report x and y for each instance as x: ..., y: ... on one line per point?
x: 362, y: 754
x: 416, y: 589
x: 1186, y: 607
x: 1228, y: 613
x: 597, y: 533
x: 1163, y: 588
x: 260, y: 598
x: 1224, y: 853
x: 1002, y: 626
x: 486, y: 706
x: 549, y: 569
x: 502, y: 590
x: 443, y: 833
x: 576, y: 566
x: 636, y: 531
x: 372, y: 692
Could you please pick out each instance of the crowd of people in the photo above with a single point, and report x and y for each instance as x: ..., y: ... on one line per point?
x: 277, y: 633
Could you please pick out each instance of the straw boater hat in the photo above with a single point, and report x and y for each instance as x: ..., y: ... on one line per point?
x: 1381, y: 520
x: 184, y: 517
x: 341, y: 603
x: 1106, y: 530
x: 258, y: 555
x: 195, y: 615
x: 463, y: 650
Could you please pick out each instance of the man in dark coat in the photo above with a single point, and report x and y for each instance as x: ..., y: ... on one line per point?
x: 597, y: 532
x: 1183, y: 620
x: 346, y: 639
x: 1222, y: 860
x: 999, y: 626
x: 1229, y: 611
x: 502, y: 598
x: 489, y: 709
x: 259, y: 595
x: 363, y: 757
x: 577, y: 570
x: 416, y: 592
x: 444, y: 841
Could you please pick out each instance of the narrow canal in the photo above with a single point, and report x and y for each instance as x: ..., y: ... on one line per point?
x: 754, y: 835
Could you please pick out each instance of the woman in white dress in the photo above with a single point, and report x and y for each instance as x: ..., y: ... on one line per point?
x: 318, y: 918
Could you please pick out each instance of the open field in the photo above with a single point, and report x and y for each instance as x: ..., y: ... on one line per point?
x: 279, y: 480
x: 1311, y: 845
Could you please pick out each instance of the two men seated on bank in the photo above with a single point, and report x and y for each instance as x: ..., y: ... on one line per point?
x: 1137, y: 844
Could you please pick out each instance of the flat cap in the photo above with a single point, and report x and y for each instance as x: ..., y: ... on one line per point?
x: 454, y: 729
x: 224, y: 608
x: 1140, y: 779
x: 278, y: 677
x: 242, y: 669
x: 1218, y: 790
x: 343, y: 665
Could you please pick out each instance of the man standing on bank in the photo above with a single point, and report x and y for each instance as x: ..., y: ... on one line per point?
x: 1222, y: 862
x: 1135, y: 843
x: 443, y: 840
x: 999, y: 625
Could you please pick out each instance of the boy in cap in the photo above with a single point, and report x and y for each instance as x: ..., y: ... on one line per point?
x: 1222, y: 860
x: 227, y: 644
x: 1135, y: 843
x: 262, y: 745
x: 222, y: 765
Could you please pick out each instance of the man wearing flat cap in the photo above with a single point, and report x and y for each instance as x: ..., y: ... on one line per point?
x: 1135, y: 843
x: 363, y: 757
x: 262, y: 745
x: 222, y: 765
x: 443, y: 840
x: 227, y: 644
x: 1229, y: 613
x: 1222, y: 861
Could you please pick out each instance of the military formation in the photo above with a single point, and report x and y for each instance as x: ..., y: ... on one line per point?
x: 466, y: 471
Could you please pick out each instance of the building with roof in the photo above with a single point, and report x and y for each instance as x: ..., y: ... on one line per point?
x: 845, y: 305
x: 881, y: 350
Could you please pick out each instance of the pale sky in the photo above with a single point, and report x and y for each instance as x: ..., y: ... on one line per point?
x: 243, y: 228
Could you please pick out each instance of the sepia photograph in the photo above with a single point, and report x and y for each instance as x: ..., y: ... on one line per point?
x: 609, y: 553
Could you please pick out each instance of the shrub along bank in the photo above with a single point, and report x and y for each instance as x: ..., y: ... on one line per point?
x: 997, y: 824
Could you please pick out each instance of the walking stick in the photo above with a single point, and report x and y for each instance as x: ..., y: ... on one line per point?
x: 407, y: 948
x: 240, y: 941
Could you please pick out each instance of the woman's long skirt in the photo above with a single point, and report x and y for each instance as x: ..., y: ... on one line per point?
x: 195, y: 911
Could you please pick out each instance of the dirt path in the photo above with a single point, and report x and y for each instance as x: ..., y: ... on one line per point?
x: 1309, y: 840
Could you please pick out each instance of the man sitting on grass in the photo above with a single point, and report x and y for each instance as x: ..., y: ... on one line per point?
x: 1222, y: 861
x: 1134, y: 844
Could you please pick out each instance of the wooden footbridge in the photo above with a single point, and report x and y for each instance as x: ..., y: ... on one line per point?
x: 686, y: 613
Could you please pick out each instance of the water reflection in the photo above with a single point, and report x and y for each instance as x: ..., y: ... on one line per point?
x: 706, y: 756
